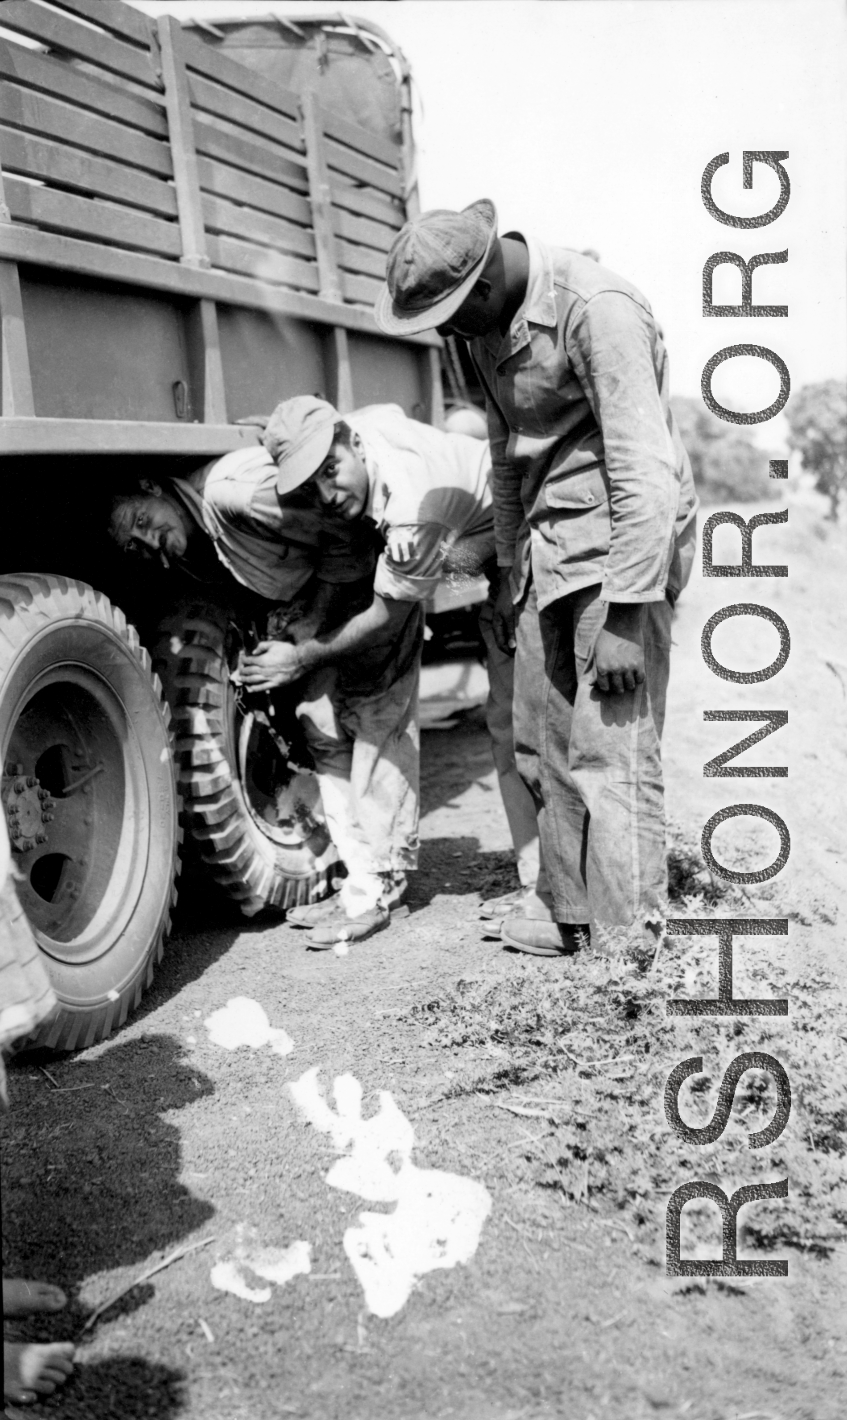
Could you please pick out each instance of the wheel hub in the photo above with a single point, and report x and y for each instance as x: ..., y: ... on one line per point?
x: 28, y: 807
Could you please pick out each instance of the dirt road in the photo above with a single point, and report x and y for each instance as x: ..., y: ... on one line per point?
x: 161, y: 1138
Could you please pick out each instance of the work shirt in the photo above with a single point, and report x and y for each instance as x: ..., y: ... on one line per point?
x: 273, y: 547
x: 430, y: 498
x: 591, y: 481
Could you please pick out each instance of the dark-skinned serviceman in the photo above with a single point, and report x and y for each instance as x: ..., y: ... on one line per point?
x: 594, y: 510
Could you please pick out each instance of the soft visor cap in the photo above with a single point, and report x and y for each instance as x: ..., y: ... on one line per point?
x: 433, y: 263
x: 298, y: 437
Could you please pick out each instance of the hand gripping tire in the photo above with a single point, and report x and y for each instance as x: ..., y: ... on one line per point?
x: 256, y: 825
x: 89, y: 794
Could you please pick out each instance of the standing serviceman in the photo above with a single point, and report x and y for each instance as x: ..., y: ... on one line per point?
x: 595, y: 525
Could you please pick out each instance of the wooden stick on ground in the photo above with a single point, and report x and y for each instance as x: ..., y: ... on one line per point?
x: 150, y: 1272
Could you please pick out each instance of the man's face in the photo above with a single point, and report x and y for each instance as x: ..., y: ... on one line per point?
x: 478, y: 314
x: 341, y: 482
x: 151, y: 525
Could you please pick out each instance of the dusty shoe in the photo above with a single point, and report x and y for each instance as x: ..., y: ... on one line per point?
x: 342, y: 928
x: 543, y: 938
x: 312, y: 913
x: 496, y: 908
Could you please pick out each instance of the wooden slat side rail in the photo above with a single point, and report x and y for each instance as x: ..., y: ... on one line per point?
x: 376, y: 205
x: 82, y: 172
x: 263, y: 263
x: 361, y: 259
x: 37, y: 71
x: 120, y: 20
x: 118, y: 436
x: 363, y: 231
x: 250, y: 155
x: 242, y: 113
x: 211, y: 64
x: 258, y: 227
x: 205, y: 365
x: 51, y: 250
x: 319, y: 197
x: 181, y: 126
x: 97, y: 221
x: 363, y: 170
x: 361, y: 289
x: 219, y: 180
x: 37, y: 113
x: 59, y: 32
x: 369, y: 145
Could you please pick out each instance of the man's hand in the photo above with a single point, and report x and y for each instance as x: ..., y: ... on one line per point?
x: 619, y: 650
x: 503, y: 623
x: 271, y: 665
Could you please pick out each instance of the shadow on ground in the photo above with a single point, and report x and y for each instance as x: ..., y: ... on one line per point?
x: 117, y: 1388
x: 93, y: 1158
x: 454, y: 867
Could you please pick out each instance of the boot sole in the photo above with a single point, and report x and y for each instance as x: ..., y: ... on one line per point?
x: 539, y: 951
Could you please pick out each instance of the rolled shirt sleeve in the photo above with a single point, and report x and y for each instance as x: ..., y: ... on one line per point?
x: 412, y: 563
x: 610, y: 344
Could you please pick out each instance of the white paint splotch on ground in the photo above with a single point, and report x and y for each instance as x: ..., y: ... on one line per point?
x: 438, y: 1218
x: 249, y: 1262
x: 243, y: 1022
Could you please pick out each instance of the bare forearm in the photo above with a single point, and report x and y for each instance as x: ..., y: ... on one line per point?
x: 372, y: 629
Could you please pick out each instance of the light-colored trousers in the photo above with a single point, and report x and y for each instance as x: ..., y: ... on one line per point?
x: 366, y: 750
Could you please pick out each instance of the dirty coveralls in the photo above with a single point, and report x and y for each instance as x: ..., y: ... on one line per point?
x: 594, y: 503
x: 430, y: 501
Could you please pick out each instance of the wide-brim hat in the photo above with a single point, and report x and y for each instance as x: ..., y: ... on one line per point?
x: 298, y: 437
x: 433, y: 263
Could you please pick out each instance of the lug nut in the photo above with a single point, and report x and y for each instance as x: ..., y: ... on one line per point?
x: 41, y: 836
x: 43, y: 794
x: 20, y: 785
x: 47, y: 818
x: 31, y: 781
x: 13, y: 768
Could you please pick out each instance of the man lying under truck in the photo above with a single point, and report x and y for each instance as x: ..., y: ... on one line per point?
x: 291, y: 555
x: 428, y: 495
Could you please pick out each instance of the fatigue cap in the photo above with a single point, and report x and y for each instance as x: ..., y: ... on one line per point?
x: 298, y: 438
x: 432, y: 265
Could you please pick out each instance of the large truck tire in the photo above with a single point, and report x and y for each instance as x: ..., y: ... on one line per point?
x: 89, y: 794
x: 254, y: 821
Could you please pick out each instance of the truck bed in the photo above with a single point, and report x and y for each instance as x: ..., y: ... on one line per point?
x: 183, y: 242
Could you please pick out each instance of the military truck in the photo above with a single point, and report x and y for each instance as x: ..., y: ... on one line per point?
x: 184, y: 241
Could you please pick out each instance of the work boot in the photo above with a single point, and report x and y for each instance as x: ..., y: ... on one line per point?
x: 311, y: 913
x: 496, y: 908
x: 542, y: 936
x: 341, y: 928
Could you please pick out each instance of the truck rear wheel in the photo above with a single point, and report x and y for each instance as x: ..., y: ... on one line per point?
x: 254, y: 820
x: 89, y: 794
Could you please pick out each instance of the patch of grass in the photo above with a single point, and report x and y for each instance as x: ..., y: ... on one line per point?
x: 589, y: 1053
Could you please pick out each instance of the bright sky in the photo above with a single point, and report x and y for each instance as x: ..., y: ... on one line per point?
x: 589, y: 123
